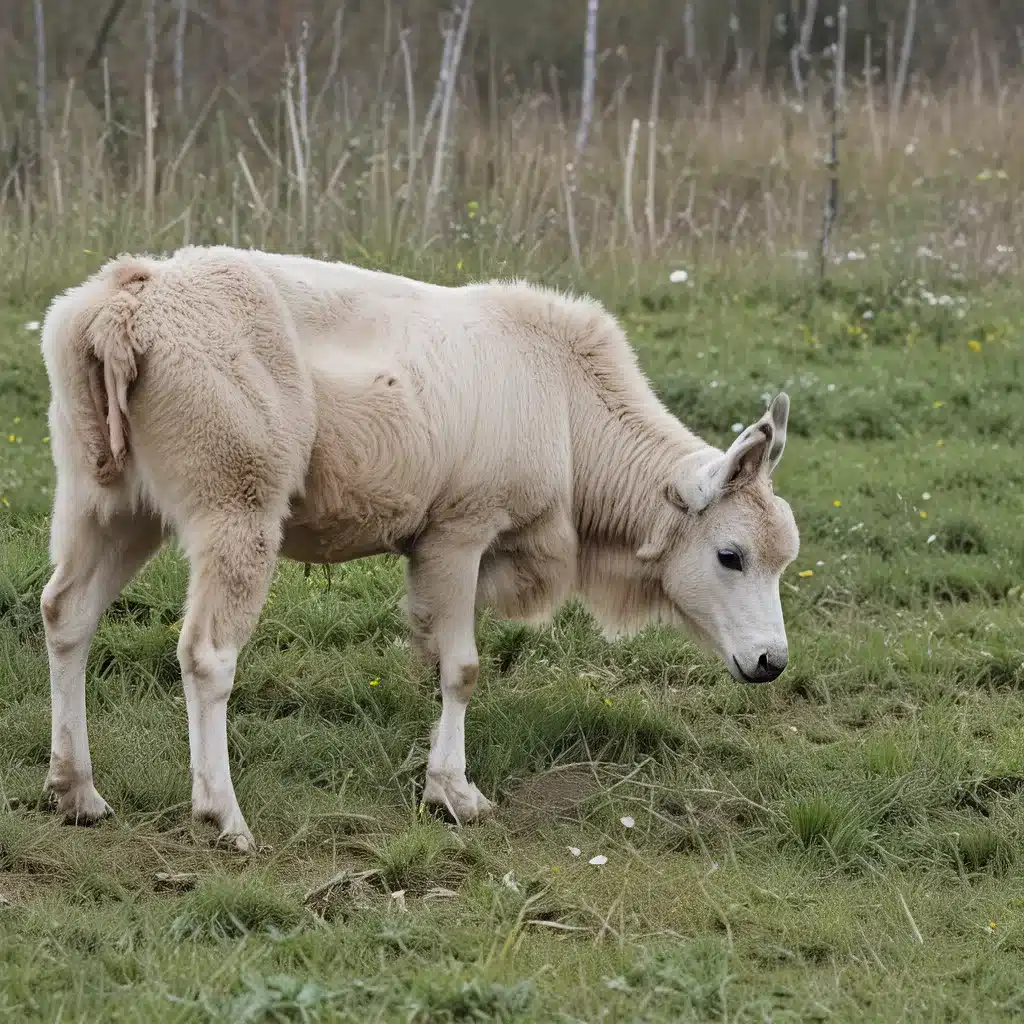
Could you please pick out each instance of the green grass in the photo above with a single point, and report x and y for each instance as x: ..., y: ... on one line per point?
x: 843, y: 845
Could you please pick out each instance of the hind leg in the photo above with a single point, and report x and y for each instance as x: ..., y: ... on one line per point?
x: 232, y: 559
x: 94, y: 563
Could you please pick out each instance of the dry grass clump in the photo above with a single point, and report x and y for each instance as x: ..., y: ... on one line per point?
x: 386, y: 177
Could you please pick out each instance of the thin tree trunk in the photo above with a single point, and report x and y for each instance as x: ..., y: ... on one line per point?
x: 589, y: 77
x: 179, y: 57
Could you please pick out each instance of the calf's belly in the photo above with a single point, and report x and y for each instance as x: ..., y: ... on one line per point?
x: 330, y: 543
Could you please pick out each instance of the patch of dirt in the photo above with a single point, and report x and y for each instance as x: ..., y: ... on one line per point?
x: 19, y: 888
x: 548, y: 796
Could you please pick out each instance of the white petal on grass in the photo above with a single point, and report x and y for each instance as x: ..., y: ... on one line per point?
x: 932, y: 539
x: 627, y: 821
x: 736, y: 428
x: 575, y: 850
x: 679, y: 277
x: 32, y: 325
x: 618, y: 984
x: 599, y: 859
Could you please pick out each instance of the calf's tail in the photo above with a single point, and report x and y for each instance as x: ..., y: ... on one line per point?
x: 94, y: 355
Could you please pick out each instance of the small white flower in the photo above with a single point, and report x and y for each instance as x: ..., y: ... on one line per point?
x: 736, y: 428
x: 599, y: 859
x: 869, y: 314
x: 926, y: 496
x: 574, y: 850
x: 627, y: 821
x: 931, y: 539
x: 855, y: 254
x: 819, y: 564
x: 792, y: 728
x: 831, y: 387
x: 509, y: 881
x: 32, y: 325
x: 679, y: 277
x: 909, y: 148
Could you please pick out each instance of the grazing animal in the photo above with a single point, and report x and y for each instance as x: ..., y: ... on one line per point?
x: 499, y: 436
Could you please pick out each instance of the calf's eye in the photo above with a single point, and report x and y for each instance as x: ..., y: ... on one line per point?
x: 730, y: 560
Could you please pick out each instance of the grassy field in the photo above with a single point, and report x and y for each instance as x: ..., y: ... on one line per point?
x: 843, y: 845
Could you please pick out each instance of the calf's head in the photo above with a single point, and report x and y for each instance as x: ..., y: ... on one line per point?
x: 726, y: 540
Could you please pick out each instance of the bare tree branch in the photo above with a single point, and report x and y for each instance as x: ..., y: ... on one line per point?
x: 901, y: 74
x: 113, y: 12
x: 832, y: 196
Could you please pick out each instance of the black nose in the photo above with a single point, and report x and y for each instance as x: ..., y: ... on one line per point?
x: 767, y: 670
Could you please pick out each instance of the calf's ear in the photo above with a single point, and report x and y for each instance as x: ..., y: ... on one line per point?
x: 778, y: 416
x: 702, y: 477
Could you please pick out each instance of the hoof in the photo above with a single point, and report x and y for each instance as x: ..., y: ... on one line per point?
x: 79, y: 804
x: 240, y: 842
x: 233, y: 832
x: 463, y: 801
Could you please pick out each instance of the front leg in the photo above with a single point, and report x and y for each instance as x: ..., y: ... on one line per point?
x: 441, y: 580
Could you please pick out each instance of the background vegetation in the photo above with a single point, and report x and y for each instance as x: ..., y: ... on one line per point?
x: 842, y: 845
